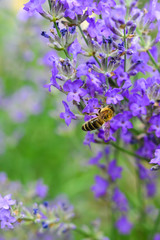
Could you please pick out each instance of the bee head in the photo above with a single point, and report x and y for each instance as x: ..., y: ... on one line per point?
x: 111, y: 107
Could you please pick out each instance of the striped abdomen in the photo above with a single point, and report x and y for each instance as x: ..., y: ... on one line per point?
x: 92, y: 124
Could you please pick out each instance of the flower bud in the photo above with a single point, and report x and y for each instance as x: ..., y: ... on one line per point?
x: 132, y: 28
x: 153, y: 92
x: 134, y: 65
x: 44, y: 34
x: 129, y: 52
x: 129, y: 23
x: 107, y: 45
x: 135, y: 16
x: 133, y: 4
x: 133, y: 73
x: 115, y: 30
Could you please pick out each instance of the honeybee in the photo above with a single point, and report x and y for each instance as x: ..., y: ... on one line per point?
x: 104, y: 115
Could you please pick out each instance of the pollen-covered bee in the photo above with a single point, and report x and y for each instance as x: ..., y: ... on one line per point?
x: 104, y: 115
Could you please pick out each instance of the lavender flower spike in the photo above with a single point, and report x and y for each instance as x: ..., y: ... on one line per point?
x: 67, y: 115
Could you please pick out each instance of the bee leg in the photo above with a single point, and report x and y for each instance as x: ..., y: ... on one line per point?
x: 99, y: 109
x: 90, y: 114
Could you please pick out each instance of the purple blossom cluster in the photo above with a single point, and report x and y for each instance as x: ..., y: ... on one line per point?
x: 6, y: 218
x: 103, y: 62
x: 45, y: 219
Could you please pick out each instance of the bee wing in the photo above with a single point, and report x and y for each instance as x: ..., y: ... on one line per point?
x: 106, y: 129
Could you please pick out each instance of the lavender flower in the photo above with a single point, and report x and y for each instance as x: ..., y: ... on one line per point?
x: 100, y: 187
x: 120, y: 200
x: 151, y: 189
x: 68, y: 115
x: 113, y: 170
x: 123, y: 225
x: 155, y: 125
x: 88, y: 139
x: 6, y: 219
x: 156, y: 160
x: 95, y: 160
x: 41, y: 189
x: 6, y: 202
x: 75, y: 92
x: 34, y: 6
x: 113, y: 96
x: 157, y: 236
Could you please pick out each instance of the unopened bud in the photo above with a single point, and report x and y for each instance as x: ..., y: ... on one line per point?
x: 129, y: 23
x: 115, y: 31
x: 134, y: 65
x: 135, y: 16
x: 132, y: 28
x: 153, y: 92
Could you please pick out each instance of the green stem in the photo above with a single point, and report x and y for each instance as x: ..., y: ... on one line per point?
x: 149, y: 54
x: 153, y: 61
x: 59, y: 35
x: 128, y: 152
x: 125, y: 55
x: 57, y: 29
x: 26, y: 219
x: 80, y: 29
x: 116, y: 153
x: 97, y: 60
x: 66, y: 53
x: 107, y: 82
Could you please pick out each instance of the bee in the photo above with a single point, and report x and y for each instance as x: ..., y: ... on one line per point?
x: 104, y: 115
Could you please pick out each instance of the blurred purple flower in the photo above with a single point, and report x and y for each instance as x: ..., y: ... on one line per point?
x: 6, y: 219
x: 88, y: 139
x: 156, y: 236
x: 41, y: 189
x: 151, y: 189
x: 120, y: 200
x: 147, y: 149
x: 100, y: 187
x: 34, y: 5
x: 24, y: 102
x: 143, y: 172
x: 95, y: 160
x: 6, y: 202
x: 123, y: 225
x: 3, y: 177
x: 156, y: 160
x: 113, y: 170
x: 67, y: 115
x: 155, y: 125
